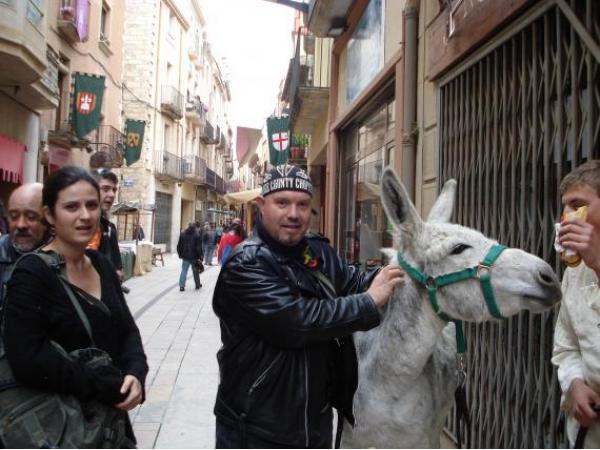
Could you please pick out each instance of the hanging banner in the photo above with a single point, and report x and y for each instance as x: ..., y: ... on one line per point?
x: 87, y: 103
x: 134, y: 139
x: 278, y: 131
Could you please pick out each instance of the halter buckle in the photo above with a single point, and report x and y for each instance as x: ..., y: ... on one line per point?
x: 483, y: 270
x: 430, y: 283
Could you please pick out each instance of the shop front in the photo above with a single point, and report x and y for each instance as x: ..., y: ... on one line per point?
x: 367, y: 147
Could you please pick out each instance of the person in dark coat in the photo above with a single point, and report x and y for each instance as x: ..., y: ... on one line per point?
x: 26, y: 227
x: 106, y: 240
x: 38, y: 312
x: 287, y: 305
x: 189, y: 250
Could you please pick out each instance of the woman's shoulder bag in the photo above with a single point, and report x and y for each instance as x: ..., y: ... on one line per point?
x: 31, y: 418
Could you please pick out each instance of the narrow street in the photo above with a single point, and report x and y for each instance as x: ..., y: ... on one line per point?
x: 181, y: 337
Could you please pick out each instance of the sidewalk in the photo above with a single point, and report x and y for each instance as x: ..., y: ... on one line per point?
x: 181, y: 338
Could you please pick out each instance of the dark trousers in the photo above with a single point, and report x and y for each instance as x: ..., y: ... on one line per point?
x: 230, y: 437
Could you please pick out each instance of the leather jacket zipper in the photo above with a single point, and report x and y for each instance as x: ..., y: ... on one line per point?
x: 306, y: 398
x: 262, y: 376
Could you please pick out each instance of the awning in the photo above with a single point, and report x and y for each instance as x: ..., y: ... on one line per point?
x: 11, y: 159
x: 130, y: 207
x: 239, y: 198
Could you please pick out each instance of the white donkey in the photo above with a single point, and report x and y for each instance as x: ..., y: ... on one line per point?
x: 407, y: 365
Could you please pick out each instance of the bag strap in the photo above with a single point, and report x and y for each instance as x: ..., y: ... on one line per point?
x: 55, y: 262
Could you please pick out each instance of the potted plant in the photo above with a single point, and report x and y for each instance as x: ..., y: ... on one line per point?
x: 299, y: 144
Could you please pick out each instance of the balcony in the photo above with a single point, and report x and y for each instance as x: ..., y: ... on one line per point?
x: 307, y: 85
x: 222, y: 142
x: 41, y: 94
x: 229, y: 168
x: 207, y: 134
x: 22, y: 43
x: 171, y: 102
x: 168, y: 166
x: 194, y: 111
x: 211, y: 178
x: 108, y: 145
x: 195, y: 169
x: 73, y: 18
x: 228, y: 153
x: 220, y: 185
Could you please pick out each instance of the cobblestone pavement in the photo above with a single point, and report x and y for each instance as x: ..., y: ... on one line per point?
x: 181, y: 337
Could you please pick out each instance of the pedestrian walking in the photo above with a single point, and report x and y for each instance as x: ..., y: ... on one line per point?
x: 105, y: 240
x: 287, y: 304
x: 208, y: 242
x: 228, y: 242
x: 576, y: 339
x: 189, y: 250
x: 42, y: 322
x: 26, y: 227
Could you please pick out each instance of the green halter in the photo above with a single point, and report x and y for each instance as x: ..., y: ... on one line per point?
x: 482, y: 272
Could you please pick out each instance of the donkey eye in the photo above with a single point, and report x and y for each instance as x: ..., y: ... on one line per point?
x: 459, y: 248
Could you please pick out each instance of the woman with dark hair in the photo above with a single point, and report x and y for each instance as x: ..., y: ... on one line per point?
x: 39, y: 311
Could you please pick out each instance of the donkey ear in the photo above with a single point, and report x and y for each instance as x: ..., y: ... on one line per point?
x: 397, y: 204
x: 441, y: 211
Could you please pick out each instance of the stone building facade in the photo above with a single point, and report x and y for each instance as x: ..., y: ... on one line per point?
x: 173, y: 82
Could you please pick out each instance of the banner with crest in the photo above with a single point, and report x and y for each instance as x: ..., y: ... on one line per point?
x: 88, y: 91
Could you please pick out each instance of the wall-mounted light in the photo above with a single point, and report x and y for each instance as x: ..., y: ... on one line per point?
x: 337, y: 27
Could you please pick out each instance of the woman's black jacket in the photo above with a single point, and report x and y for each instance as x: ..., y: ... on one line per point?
x: 287, y: 353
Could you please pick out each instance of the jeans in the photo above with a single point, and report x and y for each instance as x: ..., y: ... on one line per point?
x: 208, y: 254
x: 185, y: 265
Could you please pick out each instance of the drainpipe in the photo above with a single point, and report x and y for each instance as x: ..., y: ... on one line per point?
x: 409, y: 122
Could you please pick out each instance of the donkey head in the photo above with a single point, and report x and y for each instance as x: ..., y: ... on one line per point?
x: 519, y: 280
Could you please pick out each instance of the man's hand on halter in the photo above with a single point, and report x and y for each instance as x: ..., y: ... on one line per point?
x: 384, y: 283
x: 584, y: 398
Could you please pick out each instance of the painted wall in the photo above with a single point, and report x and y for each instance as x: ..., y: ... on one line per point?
x: 426, y: 180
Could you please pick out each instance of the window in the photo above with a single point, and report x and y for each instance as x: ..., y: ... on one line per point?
x: 35, y: 13
x: 166, y: 133
x: 367, y: 148
x: 104, y: 22
x: 365, y: 50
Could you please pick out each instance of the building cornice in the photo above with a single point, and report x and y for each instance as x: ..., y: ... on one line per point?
x: 182, y: 20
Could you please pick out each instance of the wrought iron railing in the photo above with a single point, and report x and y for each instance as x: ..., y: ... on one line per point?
x: 195, y: 169
x: 108, y: 144
x: 512, y: 123
x: 211, y: 178
x: 169, y: 165
x: 220, y: 187
x: 171, y: 101
x: 208, y: 133
x: 306, y: 71
x: 195, y: 111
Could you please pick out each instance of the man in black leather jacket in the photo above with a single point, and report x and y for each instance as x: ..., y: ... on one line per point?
x: 26, y: 229
x: 287, y: 306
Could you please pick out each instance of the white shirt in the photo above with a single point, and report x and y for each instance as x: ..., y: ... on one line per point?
x: 577, y: 341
